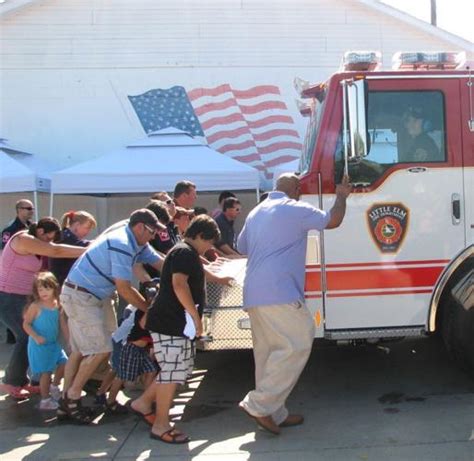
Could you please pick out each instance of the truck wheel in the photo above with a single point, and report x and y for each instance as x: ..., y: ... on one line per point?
x: 457, y: 330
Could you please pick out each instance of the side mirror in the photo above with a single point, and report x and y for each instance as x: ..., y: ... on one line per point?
x: 355, y: 116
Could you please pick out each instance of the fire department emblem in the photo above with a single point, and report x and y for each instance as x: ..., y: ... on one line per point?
x: 388, y: 223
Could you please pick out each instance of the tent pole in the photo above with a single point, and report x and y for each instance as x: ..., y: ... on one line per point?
x: 51, y: 204
x: 35, y: 201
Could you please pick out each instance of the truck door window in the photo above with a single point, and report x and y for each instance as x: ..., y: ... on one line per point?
x: 312, y: 134
x: 403, y: 127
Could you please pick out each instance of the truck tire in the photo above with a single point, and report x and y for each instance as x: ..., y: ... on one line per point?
x: 457, y: 330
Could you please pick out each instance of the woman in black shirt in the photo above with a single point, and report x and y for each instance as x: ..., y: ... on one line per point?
x: 75, y: 226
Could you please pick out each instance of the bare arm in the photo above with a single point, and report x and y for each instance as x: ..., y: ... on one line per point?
x: 338, y: 210
x: 64, y: 326
x: 211, y: 277
x: 28, y: 318
x: 140, y: 273
x: 27, y: 244
x: 183, y: 293
x: 159, y: 264
x: 228, y: 251
x: 130, y: 294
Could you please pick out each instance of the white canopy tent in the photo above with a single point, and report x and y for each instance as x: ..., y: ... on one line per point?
x: 154, y: 163
x: 23, y: 172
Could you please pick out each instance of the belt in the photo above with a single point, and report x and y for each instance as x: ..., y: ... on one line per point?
x: 78, y: 288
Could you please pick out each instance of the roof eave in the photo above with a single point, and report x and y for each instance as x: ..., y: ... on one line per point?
x: 456, y: 40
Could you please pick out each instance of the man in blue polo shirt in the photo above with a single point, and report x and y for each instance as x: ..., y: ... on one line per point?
x: 282, y: 326
x: 88, y: 297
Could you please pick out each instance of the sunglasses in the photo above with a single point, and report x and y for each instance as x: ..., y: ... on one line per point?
x: 150, y: 229
x: 29, y: 208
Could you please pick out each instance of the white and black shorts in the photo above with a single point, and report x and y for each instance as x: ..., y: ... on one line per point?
x: 174, y: 355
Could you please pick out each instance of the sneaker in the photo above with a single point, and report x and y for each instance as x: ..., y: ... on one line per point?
x: 55, y: 392
x: 48, y: 404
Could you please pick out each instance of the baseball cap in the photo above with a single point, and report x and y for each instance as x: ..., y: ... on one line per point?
x: 146, y: 217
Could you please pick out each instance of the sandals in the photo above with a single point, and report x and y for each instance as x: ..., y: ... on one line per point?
x: 292, y: 420
x: 264, y: 422
x: 171, y: 437
x: 148, y: 418
x: 115, y: 409
x: 73, y: 411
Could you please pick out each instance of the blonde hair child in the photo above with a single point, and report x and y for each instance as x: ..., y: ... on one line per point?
x: 42, y: 319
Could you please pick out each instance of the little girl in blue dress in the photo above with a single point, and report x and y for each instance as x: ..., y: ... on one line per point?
x: 41, y: 321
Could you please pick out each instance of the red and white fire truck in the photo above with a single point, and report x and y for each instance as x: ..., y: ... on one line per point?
x: 402, y: 262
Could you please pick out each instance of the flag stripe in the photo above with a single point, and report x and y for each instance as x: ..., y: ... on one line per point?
x: 269, y: 105
x: 227, y: 134
x: 252, y: 125
x: 222, y: 121
x: 212, y: 107
x: 269, y: 120
x: 278, y: 146
x: 256, y: 91
x: 273, y: 133
x: 279, y: 160
x: 241, y: 145
x: 200, y: 92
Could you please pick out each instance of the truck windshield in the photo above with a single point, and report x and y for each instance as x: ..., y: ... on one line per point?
x: 312, y: 133
x: 403, y: 127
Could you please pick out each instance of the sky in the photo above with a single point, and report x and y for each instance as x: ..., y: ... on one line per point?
x: 455, y: 16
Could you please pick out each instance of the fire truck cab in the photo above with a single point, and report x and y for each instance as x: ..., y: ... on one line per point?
x: 402, y: 262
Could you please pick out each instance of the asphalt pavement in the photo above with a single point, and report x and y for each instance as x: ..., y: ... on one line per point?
x: 393, y: 402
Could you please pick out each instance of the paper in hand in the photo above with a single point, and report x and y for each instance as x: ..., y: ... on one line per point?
x: 189, y: 329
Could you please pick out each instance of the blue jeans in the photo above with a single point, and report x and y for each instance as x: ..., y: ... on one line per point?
x: 11, y: 315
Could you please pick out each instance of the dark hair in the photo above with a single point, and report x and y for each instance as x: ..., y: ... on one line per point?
x: 199, y: 210
x: 48, y: 224
x: 160, y: 210
x: 263, y: 196
x: 225, y: 194
x: 230, y: 203
x: 205, y: 227
x: 182, y: 187
x: 415, y: 112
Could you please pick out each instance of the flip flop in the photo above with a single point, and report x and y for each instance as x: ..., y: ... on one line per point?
x: 148, y: 418
x: 173, y: 437
x: 263, y: 422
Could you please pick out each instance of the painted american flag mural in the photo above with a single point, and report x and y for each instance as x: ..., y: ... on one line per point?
x: 252, y: 125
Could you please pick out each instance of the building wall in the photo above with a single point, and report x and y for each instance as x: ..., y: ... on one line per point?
x: 67, y: 67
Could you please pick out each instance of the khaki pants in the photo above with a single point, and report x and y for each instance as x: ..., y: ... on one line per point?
x: 282, y: 337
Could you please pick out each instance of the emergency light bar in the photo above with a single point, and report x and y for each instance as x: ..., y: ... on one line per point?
x: 361, y: 61
x: 428, y: 60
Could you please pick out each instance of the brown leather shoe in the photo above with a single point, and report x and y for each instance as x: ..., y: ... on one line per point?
x: 292, y: 420
x: 265, y: 422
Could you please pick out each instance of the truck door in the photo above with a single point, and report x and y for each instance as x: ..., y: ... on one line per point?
x: 467, y: 103
x: 404, y: 221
